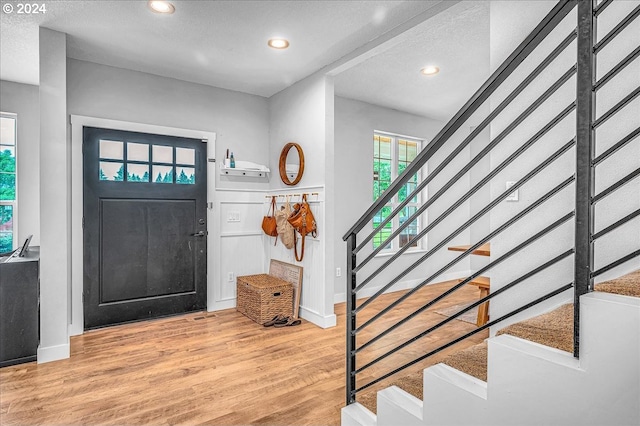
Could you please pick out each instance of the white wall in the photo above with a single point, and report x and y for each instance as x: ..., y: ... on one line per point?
x: 301, y: 113
x: 510, y: 23
x: 355, y: 123
x: 239, y: 120
x: 23, y: 99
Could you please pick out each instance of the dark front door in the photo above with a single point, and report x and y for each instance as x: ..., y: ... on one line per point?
x: 144, y: 226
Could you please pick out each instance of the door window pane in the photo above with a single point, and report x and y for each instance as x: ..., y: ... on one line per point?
x: 137, y: 172
x: 137, y: 151
x: 185, y: 156
x: 162, y: 174
x: 162, y: 154
x: 185, y: 175
x: 6, y: 228
x: 111, y: 171
x: 112, y: 150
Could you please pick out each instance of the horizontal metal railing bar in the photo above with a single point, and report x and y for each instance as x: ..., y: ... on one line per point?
x: 616, y: 263
x: 409, y: 293
x: 616, y: 185
x: 546, y: 25
x: 615, y: 225
x: 513, y: 125
x: 617, y: 29
x: 464, y: 282
x: 523, y: 85
x: 619, y: 67
x: 460, y: 201
x: 466, y: 309
x: 601, y: 7
x: 466, y: 336
x: 631, y: 136
x: 617, y: 107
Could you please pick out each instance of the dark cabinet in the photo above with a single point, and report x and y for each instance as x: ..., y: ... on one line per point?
x: 19, y: 308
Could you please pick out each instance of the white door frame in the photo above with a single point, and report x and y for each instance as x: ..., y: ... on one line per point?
x: 78, y: 122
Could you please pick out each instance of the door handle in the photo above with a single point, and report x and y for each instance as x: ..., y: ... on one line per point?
x: 199, y: 234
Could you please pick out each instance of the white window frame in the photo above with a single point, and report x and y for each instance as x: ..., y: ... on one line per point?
x: 13, y: 203
x: 395, y: 243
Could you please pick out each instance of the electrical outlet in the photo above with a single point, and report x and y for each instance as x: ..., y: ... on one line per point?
x: 230, y: 277
x: 338, y: 272
x: 514, y: 195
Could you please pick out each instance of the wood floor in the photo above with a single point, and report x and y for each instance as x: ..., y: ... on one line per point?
x: 217, y: 368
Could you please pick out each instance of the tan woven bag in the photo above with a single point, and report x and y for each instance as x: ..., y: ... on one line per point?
x: 285, y: 229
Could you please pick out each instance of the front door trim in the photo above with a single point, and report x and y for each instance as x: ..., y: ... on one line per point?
x: 78, y: 122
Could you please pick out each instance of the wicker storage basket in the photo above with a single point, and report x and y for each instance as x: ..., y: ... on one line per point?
x: 261, y: 297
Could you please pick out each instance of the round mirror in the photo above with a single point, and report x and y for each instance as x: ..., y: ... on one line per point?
x: 291, y: 164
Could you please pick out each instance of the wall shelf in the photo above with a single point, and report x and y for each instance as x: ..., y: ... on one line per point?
x: 244, y: 169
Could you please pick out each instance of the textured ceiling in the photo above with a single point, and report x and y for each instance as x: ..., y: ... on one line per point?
x: 456, y: 40
x: 219, y: 43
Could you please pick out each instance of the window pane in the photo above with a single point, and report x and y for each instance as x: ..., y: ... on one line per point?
x: 385, y: 147
x: 137, y: 152
x: 412, y: 151
x: 411, y: 230
x: 137, y: 173
x: 7, y: 186
x: 7, y: 159
x: 112, y: 150
x: 402, y: 151
x: 185, y: 156
x: 185, y: 175
x: 162, y: 154
x: 7, y: 131
x: 111, y: 171
x: 6, y: 228
x: 386, y: 231
x: 162, y: 174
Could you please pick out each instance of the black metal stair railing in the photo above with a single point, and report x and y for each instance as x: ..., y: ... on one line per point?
x: 359, y: 277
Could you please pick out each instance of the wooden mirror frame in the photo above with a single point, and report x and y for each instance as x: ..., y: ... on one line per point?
x: 283, y: 164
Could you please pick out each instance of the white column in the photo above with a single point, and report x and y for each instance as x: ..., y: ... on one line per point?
x: 54, y: 198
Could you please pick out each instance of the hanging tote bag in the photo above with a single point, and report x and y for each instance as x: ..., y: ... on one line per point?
x: 303, y: 222
x: 269, y: 225
x: 285, y: 230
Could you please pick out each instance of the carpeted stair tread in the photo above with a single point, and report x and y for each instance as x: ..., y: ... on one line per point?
x: 554, y: 329
x: 627, y: 285
x: 472, y: 361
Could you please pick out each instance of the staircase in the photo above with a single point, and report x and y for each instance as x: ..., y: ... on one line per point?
x: 577, y: 363
x: 553, y: 329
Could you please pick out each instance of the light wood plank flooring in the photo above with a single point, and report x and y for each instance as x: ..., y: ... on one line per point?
x: 217, y: 368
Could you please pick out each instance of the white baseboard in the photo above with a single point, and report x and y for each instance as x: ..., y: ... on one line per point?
x: 403, y: 285
x: 221, y: 305
x: 53, y: 353
x: 322, y: 321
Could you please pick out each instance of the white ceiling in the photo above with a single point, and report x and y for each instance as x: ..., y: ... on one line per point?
x: 223, y: 44
x: 456, y: 40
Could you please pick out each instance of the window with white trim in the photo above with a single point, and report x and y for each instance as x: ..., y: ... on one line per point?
x: 8, y: 183
x: 391, y: 156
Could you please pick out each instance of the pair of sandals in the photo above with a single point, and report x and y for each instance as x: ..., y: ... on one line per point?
x: 282, y: 321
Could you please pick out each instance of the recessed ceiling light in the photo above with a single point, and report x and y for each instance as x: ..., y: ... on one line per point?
x: 161, y: 6
x: 430, y: 70
x: 278, y: 43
